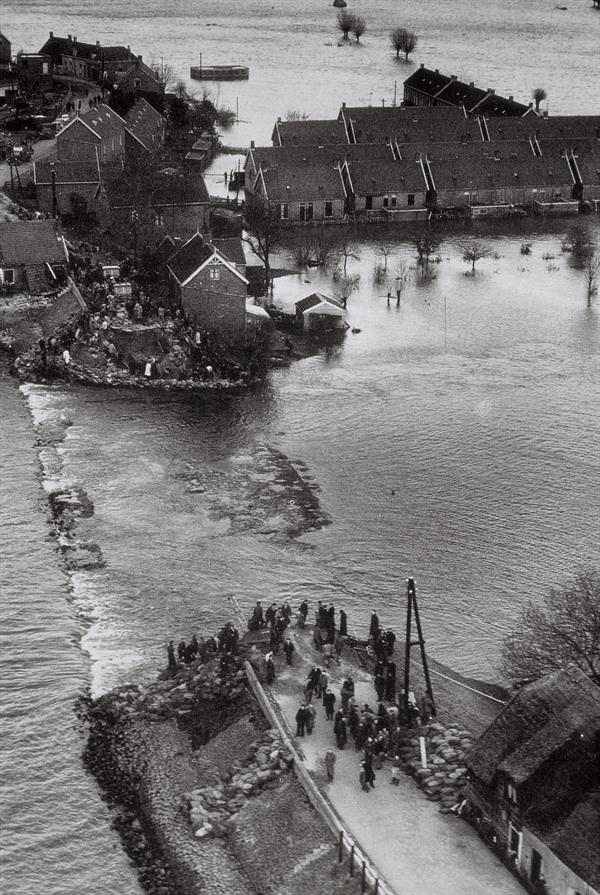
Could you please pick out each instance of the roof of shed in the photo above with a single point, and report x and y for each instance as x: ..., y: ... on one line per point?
x: 30, y: 243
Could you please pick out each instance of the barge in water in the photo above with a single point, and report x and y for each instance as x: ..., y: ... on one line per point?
x: 219, y: 72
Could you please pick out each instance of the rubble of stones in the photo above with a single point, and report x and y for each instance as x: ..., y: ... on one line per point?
x: 444, y: 778
x: 214, y: 809
x: 66, y: 506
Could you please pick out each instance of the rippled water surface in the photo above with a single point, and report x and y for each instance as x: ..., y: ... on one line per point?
x: 454, y: 438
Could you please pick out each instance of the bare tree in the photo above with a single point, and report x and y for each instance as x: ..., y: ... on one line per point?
x: 344, y: 251
x: 403, y: 41
x: 345, y: 286
x: 425, y: 245
x: 401, y: 278
x: 474, y: 252
x: 263, y: 227
x: 345, y: 23
x: 164, y: 73
x: 359, y: 26
x: 563, y: 629
x: 385, y: 252
x: 539, y: 95
x: 591, y: 268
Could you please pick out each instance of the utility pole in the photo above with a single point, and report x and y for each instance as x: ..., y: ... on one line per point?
x: 413, y: 608
x: 395, y: 92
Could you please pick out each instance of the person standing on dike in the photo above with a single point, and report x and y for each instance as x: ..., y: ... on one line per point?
x: 171, y: 657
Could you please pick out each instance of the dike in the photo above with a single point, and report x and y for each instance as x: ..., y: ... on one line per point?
x: 202, y: 790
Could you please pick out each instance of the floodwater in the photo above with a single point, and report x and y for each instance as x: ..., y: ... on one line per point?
x: 454, y: 438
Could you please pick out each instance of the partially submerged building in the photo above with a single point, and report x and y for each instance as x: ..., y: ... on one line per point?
x: 534, y: 779
x: 413, y: 162
x: 208, y: 287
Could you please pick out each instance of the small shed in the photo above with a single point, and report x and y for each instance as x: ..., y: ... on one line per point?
x: 111, y: 270
x: 318, y: 312
x: 122, y: 290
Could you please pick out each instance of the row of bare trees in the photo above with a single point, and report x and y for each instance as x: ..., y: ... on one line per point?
x: 403, y: 41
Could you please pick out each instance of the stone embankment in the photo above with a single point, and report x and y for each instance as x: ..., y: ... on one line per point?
x: 202, y: 790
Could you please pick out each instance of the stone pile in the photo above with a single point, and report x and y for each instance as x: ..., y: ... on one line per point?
x: 214, y: 809
x: 444, y: 778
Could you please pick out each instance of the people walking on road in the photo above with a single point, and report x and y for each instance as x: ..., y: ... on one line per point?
x: 390, y: 681
x: 270, y: 668
x: 181, y: 648
x: 330, y: 757
x: 311, y: 714
x: 328, y: 704
x: 369, y: 772
x: 347, y: 691
x: 340, y: 730
x: 301, y: 720
x: 362, y: 778
x: 324, y: 683
x: 288, y: 649
x: 302, y: 614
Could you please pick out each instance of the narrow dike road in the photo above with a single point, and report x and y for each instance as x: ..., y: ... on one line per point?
x: 416, y: 849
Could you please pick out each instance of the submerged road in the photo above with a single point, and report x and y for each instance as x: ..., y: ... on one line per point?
x: 416, y: 849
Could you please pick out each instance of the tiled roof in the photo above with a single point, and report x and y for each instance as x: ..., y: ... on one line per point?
x: 303, y: 183
x: 67, y: 170
x: 427, y: 80
x: 30, y: 243
x: 457, y: 93
x: 59, y: 46
x: 169, y: 187
x: 104, y: 121
x: 375, y: 177
x: 232, y: 248
x: 406, y: 124
x: 500, y: 106
x: 144, y: 121
x: 310, y: 132
x: 189, y: 257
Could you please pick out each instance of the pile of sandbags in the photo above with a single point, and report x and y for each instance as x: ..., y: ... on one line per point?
x: 444, y: 778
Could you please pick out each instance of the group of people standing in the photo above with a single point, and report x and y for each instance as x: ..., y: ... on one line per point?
x: 225, y: 643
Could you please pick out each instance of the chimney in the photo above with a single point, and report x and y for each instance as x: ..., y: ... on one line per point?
x: 252, y: 144
x: 471, y: 83
x: 422, y: 65
x: 70, y: 36
x: 437, y: 71
x: 453, y: 78
x: 279, y: 120
x: 511, y: 98
x: 52, y: 34
x: 343, y: 105
x: 97, y: 43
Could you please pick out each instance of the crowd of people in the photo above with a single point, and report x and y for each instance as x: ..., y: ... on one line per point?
x: 225, y: 644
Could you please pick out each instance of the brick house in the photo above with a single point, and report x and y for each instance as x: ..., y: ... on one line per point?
x: 432, y: 88
x: 71, y: 58
x: 534, y: 782
x: 98, y: 132
x: 210, y: 288
x: 146, y: 124
x: 175, y: 202
x: 33, y: 257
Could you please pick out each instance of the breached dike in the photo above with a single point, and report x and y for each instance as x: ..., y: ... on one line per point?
x: 202, y: 788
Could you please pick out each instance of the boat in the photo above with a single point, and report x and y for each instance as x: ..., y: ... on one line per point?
x: 219, y: 72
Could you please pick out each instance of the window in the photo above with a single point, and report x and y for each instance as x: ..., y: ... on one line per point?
x: 386, y: 201
x: 284, y: 211
x: 328, y: 209
x: 535, y: 870
x: 514, y: 842
x: 369, y: 203
x: 7, y: 276
x: 214, y: 273
x: 511, y: 792
x: 411, y: 199
x: 394, y: 201
x: 306, y: 211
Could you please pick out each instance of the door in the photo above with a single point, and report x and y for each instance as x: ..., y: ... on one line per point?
x: 536, y: 866
x: 302, y: 213
x: 514, y: 842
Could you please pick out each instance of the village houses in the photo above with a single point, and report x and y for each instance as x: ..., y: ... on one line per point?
x: 210, y: 288
x: 410, y: 162
x: 534, y: 781
x: 33, y: 257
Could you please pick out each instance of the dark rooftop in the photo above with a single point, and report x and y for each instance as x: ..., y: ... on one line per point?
x: 30, y: 243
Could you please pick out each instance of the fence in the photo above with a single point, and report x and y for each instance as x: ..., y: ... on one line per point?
x: 348, y: 849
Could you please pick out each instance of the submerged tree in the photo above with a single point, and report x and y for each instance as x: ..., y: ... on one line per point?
x: 474, y: 252
x: 359, y: 26
x: 539, y: 95
x: 345, y: 23
x: 425, y: 245
x: 563, y: 629
x: 263, y: 227
x: 403, y: 41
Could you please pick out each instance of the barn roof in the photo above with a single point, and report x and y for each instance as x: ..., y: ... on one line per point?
x: 536, y: 722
